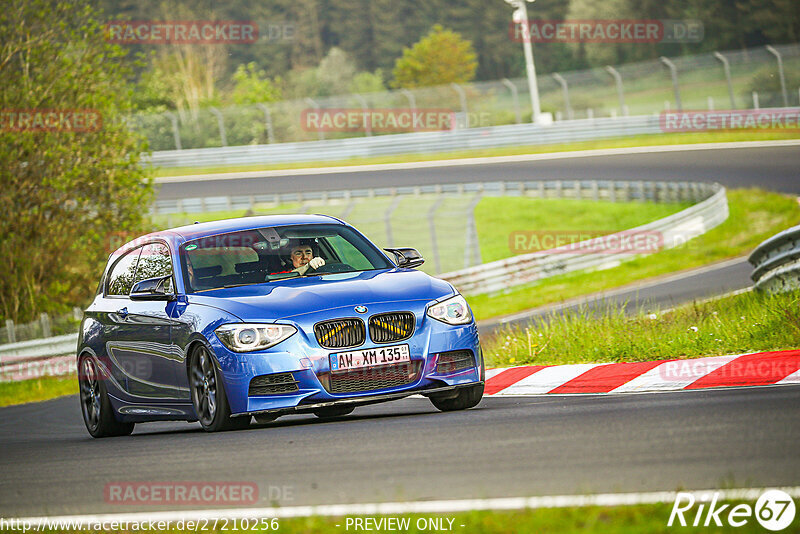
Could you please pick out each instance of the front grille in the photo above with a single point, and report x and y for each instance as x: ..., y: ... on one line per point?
x: 388, y: 376
x: 450, y: 362
x: 273, y: 384
x: 340, y: 333
x: 388, y: 327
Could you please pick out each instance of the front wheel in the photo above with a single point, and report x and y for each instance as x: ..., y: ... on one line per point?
x: 98, y: 414
x: 466, y: 398
x: 208, y: 395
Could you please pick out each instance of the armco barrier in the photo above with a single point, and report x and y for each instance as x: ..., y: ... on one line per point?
x: 568, y: 131
x: 410, y: 143
x: 777, y: 262
x: 38, y: 348
x: 675, y: 229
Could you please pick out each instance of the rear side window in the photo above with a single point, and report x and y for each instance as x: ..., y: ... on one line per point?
x: 120, y: 280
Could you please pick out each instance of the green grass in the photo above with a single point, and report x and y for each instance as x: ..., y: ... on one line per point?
x: 749, y: 322
x: 635, y: 141
x: 498, y: 217
x: 635, y: 519
x: 754, y: 216
x: 37, y: 389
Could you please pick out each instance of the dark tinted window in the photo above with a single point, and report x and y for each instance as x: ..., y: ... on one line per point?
x: 120, y: 281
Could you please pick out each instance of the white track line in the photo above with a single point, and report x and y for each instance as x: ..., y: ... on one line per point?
x: 793, y: 378
x: 421, y: 507
x: 475, y: 161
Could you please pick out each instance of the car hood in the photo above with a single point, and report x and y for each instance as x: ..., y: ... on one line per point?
x: 293, y: 297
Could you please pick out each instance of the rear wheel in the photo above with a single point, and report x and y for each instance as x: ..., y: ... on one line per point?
x: 467, y: 397
x: 98, y: 414
x: 334, y: 411
x: 208, y: 395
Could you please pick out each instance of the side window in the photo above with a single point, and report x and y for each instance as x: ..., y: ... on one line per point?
x: 120, y: 280
x: 155, y: 262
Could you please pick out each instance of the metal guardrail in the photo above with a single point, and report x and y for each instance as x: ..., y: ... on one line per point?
x: 35, y: 349
x: 776, y: 262
x: 675, y: 230
x: 410, y: 143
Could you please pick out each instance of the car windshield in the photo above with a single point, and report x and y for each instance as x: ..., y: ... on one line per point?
x: 276, y: 253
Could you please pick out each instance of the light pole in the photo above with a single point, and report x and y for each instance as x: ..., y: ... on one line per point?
x: 521, y: 17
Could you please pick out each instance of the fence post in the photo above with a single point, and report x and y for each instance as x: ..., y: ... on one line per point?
x: 471, y: 250
x: 365, y: 109
x: 387, y: 219
x: 313, y: 104
x: 10, y: 332
x: 268, y: 121
x: 411, y: 100
x: 755, y: 100
x: 673, y: 70
x: 777, y: 55
x: 462, y: 96
x: 515, y: 96
x: 565, y: 89
x: 175, y: 132
x: 77, y: 313
x: 44, y: 319
x: 437, y: 264
x: 727, y: 68
x: 623, y: 110
x: 221, y: 124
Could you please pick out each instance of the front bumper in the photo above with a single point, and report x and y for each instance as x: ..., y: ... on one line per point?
x: 309, y: 366
x: 355, y: 401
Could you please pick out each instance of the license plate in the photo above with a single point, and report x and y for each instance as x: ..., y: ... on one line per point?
x: 356, y: 359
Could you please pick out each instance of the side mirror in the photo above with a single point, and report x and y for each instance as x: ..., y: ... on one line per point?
x: 153, y: 289
x: 408, y: 258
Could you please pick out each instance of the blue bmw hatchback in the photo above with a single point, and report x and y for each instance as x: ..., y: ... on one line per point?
x: 267, y: 316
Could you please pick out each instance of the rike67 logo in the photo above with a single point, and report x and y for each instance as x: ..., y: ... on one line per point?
x: 774, y: 510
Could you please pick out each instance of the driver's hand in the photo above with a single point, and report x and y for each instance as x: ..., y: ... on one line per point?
x: 316, y: 263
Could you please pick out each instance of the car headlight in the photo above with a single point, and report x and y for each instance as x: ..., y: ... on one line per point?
x: 243, y: 337
x: 451, y: 311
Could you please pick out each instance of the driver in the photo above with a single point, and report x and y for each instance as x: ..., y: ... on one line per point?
x: 302, y: 257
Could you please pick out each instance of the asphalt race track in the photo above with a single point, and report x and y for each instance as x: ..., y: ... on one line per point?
x: 406, y: 450
x: 660, y: 294
x: 774, y: 168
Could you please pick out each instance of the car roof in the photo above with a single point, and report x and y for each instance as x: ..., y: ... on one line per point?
x: 190, y: 232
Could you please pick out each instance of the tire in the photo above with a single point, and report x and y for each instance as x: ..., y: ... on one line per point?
x: 98, y: 414
x: 334, y: 411
x: 466, y: 398
x: 209, y: 400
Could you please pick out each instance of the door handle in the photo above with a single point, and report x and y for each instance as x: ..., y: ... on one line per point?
x: 123, y: 312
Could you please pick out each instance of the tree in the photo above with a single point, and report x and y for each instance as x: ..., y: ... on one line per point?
x: 252, y: 86
x: 66, y: 190
x: 440, y: 57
